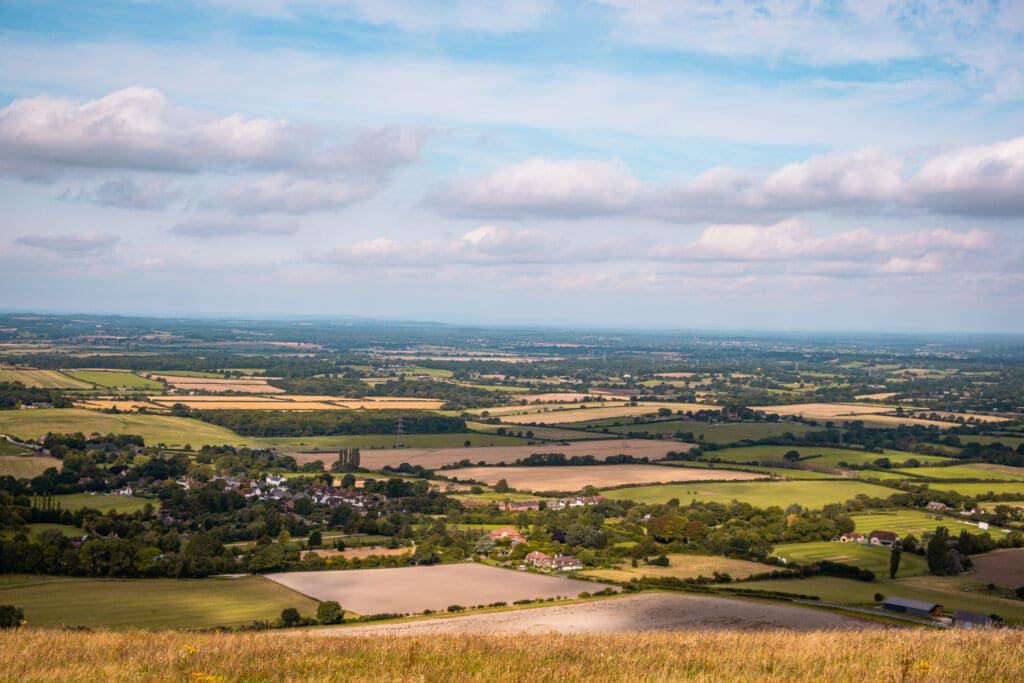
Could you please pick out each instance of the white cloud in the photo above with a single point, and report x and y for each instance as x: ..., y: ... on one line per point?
x: 140, y: 129
x: 572, y: 188
x: 226, y: 227
x: 80, y: 243
x: 127, y: 193
x: 975, y: 180
x: 283, y: 193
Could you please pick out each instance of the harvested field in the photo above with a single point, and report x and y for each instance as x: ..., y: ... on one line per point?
x: 881, y: 396
x: 845, y: 412
x: 683, y: 566
x: 1004, y: 567
x: 253, y: 385
x: 646, y: 612
x: 811, y: 494
x: 27, y: 466
x: 298, y: 402
x: 600, y: 449
x: 124, y: 406
x: 575, y: 478
x: 558, y: 397
x: 357, y: 553
x: 573, y: 414
x: 676, y: 375
x: 43, y: 379
x: 414, y: 589
x: 546, y: 433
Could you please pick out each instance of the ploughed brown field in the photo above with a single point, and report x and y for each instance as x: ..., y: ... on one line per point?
x: 1003, y: 567
x: 575, y: 478
x: 644, y: 612
x: 407, y: 590
x: 435, y: 457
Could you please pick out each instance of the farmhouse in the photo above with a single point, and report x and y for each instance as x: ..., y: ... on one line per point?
x: 538, y: 559
x: 885, y: 538
x: 564, y: 563
x: 915, y: 608
x: 964, y: 619
x: 509, y: 533
x: 936, y: 506
x: 575, y: 502
x: 852, y: 537
x: 520, y: 505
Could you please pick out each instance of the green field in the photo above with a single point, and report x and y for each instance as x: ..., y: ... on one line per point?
x: 978, y: 488
x: 952, y: 593
x: 718, y: 433
x: 371, y: 441
x: 915, y: 522
x: 148, y: 603
x: 35, y: 529
x: 817, y: 455
x: 873, y: 557
x: 780, y: 472
x: 8, y: 448
x: 43, y: 379
x: 173, y: 431
x: 809, y: 494
x: 973, y: 471
x: 546, y: 433
x: 26, y: 466
x: 74, y: 501
x: 115, y: 379
x: 986, y: 439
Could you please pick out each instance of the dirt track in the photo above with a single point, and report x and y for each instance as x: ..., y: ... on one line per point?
x: 644, y: 612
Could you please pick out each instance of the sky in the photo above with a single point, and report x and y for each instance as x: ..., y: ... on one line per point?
x: 776, y: 165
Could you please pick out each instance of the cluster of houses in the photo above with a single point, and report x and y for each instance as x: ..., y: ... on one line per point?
x: 885, y: 538
x: 562, y: 563
x: 560, y: 504
x: 271, y: 489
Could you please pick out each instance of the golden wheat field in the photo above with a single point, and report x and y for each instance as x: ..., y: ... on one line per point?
x: 698, y: 655
x: 845, y: 412
x: 250, y: 385
x: 298, y: 402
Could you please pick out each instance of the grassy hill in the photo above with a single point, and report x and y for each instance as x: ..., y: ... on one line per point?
x: 770, y: 655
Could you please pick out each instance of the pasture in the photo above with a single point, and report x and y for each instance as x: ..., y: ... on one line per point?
x: 575, y: 478
x: 148, y: 603
x: 777, y: 472
x: 103, y: 503
x: 905, y: 522
x: 537, y: 432
x: 414, y: 589
x: 952, y: 593
x: 35, y: 529
x: 809, y: 494
x: 818, y: 455
x: 600, y: 449
x: 979, y: 488
x: 114, y: 379
x: 26, y: 466
x: 987, y: 439
x: 173, y: 431
x: 873, y: 557
x: 721, y: 434
x: 43, y: 379
x: 682, y: 566
x: 984, y: 471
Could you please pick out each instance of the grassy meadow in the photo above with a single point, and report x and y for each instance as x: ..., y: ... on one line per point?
x: 818, y: 455
x: 114, y: 379
x: 43, y: 379
x: 75, y: 501
x: 809, y: 494
x: 148, y: 603
x: 718, y: 433
x: 780, y: 472
x: 873, y: 557
x: 979, y: 488
x: 699, y: 655
x: 26, y: 466
x: 973, y: 471
x: 682, y: 566
x: 905, y: 522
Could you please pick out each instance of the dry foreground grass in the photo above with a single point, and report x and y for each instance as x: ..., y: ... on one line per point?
x: 701, y: 655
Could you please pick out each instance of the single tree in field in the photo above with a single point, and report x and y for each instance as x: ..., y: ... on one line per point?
x: 315, y: 539
x: 792, y: 456
x: 894, y: 559
x: 290, y: 616
x: 330, y: 612
x: 501, y: 486
x: 937, y: 551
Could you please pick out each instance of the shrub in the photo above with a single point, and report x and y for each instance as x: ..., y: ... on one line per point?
x: 290, y: 616
x: 455, y: 608
x: 11, y: 616
x: 879, y: 597
x: 329, y: 612
x: 1019, y: 592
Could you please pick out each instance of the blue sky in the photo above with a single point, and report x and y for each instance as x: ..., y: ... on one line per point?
x: 777, y: 165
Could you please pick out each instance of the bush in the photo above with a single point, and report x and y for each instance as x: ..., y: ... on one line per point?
x: 455, y: 608
x: 330, y: 612
x: 659, y: 561
x: 879, y: 597
x: 315, y: 539
x: 584, y: 594
x: 1019, y: 592
x: 290, y: 616
x: 11, y: 616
